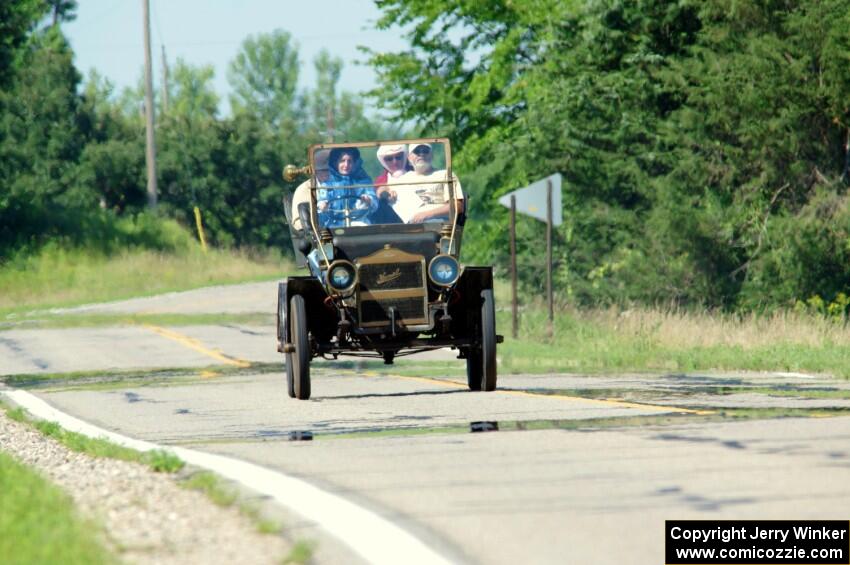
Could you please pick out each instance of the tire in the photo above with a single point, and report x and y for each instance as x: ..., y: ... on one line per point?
x: 281, y: 337
x: 481, y: 371
x: 473, y: 369
x: 298, y: 362
x: 290, y: 377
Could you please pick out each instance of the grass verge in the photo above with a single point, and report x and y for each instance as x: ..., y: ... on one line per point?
x: 208, y: 483
x: 159, y: 460
x: 651, y: 340
x: 38, y: 523
x: 65, y: 277
x: 301, y: 553
x: 221, y: 493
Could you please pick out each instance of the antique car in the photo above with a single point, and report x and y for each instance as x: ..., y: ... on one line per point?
x: 379, y: 227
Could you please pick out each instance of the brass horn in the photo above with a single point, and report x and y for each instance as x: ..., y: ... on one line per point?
x: 291, y: 172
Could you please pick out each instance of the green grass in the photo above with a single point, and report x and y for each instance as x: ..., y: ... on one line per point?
x: 652, y: 340
x: 218, y: 491
x: 158, y: 460
x: 212, y: 486
x: 301, y: 553
x: 586, y: 341
x: 65, y: 277
x: 38, y: 523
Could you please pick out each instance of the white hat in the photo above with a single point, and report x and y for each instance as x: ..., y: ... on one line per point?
x: 415, y: 145
x: 385, y: 150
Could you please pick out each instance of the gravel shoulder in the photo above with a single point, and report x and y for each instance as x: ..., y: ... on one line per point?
x: 146, y: 517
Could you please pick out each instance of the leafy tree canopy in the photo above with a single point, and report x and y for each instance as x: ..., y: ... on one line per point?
x: 692, y: 137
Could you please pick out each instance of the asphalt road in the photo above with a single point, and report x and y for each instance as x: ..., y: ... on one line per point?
x: 560, y: 483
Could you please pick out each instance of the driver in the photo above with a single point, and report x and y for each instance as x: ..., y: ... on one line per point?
x: 423, y: 193
x: 335, y: 200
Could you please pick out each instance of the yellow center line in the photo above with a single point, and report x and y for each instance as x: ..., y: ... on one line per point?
x: 195, y: 344
x: 606, y: 401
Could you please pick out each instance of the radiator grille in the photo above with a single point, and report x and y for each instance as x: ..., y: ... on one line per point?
x: 390, y: 276
x: 407, y: 309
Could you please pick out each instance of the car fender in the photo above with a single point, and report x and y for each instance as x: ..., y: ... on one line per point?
x: 464, y: 306
x: 321, y: 319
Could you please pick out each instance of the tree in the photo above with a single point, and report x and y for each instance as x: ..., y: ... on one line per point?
x: 759, y: 146
x: 112, y: 162
x: 264, y: 75
x: 17, y: 20
x: 62, y: 10
x: 40, y: 142
x: 568, y: 87
x: 192, y: 96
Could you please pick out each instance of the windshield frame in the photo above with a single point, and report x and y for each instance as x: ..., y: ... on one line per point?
x: 314, y: 185
x: 324, y: 235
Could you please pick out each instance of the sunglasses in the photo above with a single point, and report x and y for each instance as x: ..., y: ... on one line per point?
x: 399, y: 157
x: 422, y: 150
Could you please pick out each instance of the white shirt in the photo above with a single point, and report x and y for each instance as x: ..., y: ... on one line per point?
x: 300, y: 196
x: 421, y: 193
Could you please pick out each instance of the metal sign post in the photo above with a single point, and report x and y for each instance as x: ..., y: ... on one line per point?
x: 514, y: 305
x: 530, y: 201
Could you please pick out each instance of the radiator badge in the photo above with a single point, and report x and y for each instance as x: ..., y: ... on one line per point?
x: 384, y: 278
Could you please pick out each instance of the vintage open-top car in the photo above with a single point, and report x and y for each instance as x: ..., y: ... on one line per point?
x: 379, y: 226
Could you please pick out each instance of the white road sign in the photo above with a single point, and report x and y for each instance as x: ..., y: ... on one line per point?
x: 531, y: 200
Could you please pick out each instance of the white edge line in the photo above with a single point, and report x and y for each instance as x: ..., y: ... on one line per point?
x: 371, y: 536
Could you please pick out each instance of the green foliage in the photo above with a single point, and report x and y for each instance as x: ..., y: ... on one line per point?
x: 40, y: 141
x: 212, y: 486
x: 72, y: 160
x: 38, y: 523
x: 192, y: 99
x: 162, y: 461
x: 62, y: 10
x: 703, y: 146
x: 57, y: 275
x: 17, y: 19
x: 264, y: 75
x: 302, y: 552
x: 159, y: 460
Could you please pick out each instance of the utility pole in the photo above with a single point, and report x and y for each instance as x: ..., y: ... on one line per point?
x: 164, y: 82
x: 150, y: 154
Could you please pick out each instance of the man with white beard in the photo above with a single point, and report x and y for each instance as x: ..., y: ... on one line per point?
x: 423, y: 193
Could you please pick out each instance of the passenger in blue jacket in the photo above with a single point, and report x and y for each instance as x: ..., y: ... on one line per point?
x: 335, y: 201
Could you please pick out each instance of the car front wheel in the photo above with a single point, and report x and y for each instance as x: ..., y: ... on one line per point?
x: 481, y: 361
x: 298, y: 361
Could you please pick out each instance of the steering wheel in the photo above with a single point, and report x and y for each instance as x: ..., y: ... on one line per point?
x: 352, y: 209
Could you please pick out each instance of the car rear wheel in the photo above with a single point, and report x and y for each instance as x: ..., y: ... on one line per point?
x: 290, y: 377
x: 281, y: 334
x: 481, y: 361
x: 298, y: 361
